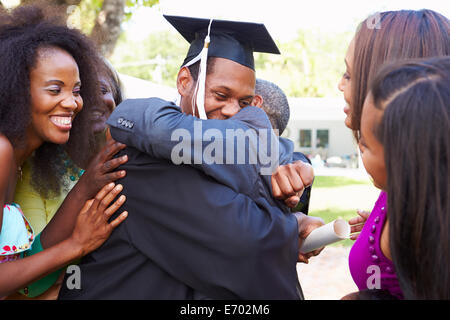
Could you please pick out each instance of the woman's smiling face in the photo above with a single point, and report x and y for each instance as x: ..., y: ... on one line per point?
x: 345, y: 83
x: 55, y: 96
x: 102, y: 112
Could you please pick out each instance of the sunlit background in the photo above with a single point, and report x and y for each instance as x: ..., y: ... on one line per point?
x: 283, y: 18
x: 313, y: 37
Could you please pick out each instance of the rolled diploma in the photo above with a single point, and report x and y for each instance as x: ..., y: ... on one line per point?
x: 332, y: 232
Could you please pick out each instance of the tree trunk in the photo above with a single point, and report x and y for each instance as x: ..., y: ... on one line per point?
x: 107, y: 29
x: 61, y: 5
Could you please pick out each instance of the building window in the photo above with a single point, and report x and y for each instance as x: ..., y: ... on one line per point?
x: 322, y: 139
x: 305, y: 138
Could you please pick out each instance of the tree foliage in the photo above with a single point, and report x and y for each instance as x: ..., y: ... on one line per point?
x: 309, y: 65
x: 101, y: 19
x: 157, y: 58
x: 132, y: 5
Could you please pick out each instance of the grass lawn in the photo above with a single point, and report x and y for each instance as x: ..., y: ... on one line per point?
x: 335, y: 212
x: 332, y: 182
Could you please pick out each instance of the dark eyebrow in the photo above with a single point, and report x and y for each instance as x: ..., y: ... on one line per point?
x: 54, y: 81
x: 105, y: 83
x: 223, y: 88
x: 78, y: 83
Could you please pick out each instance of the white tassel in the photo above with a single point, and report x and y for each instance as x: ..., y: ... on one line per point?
x: 202, y: 84
x: 201, y: 81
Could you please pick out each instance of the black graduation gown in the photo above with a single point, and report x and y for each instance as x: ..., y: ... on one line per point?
x: 189, y: 237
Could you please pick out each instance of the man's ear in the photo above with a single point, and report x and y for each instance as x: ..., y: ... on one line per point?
x: 257, y: 101
x: 184, y: 81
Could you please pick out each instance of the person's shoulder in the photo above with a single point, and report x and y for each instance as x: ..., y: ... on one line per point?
x: 253, y: 116
x: 132, y: 110
x: 6, y: 148
x: 6, y: 156
x: 142, y: 103
x: 5, y: 144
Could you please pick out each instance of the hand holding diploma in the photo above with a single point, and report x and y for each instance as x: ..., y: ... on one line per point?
x: 306, y: 224
x: 332, y: 232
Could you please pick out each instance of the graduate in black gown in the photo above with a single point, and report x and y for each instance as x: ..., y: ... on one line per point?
x: 187, y: 235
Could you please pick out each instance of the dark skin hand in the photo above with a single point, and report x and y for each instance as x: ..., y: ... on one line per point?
x: 100, y: 170
x: 288, y: 183
x: 98, y: 174
x: 79, y: 227
x: 306, y: 224
x: 290, y: 180
x: 91, y: 230
x: 357, y: 223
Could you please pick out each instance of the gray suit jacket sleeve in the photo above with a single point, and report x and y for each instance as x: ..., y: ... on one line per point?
x: 159, y: 128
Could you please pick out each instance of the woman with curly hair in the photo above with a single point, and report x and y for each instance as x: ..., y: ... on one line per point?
x: 39, y: 209
x: 49, y: 84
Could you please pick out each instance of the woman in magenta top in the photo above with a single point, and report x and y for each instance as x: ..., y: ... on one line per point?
x: 406, y: 152
x: 372, y: 47
x: 369, y: 267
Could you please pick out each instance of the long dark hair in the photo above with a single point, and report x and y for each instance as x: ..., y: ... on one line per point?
x: 399, y: 35
x: 23, y: 32
x: 415, y: 133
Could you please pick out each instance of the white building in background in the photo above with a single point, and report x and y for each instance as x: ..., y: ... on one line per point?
x: 316, y: 126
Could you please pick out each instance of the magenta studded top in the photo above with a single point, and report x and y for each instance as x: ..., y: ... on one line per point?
x: 369, y: 267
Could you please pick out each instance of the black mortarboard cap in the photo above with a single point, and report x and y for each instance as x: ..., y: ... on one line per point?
x: 233, y: 40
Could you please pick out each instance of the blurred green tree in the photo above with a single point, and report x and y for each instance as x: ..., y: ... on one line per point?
x: 156, y: 58
x: 101, y: 19
x: 309, y: 65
